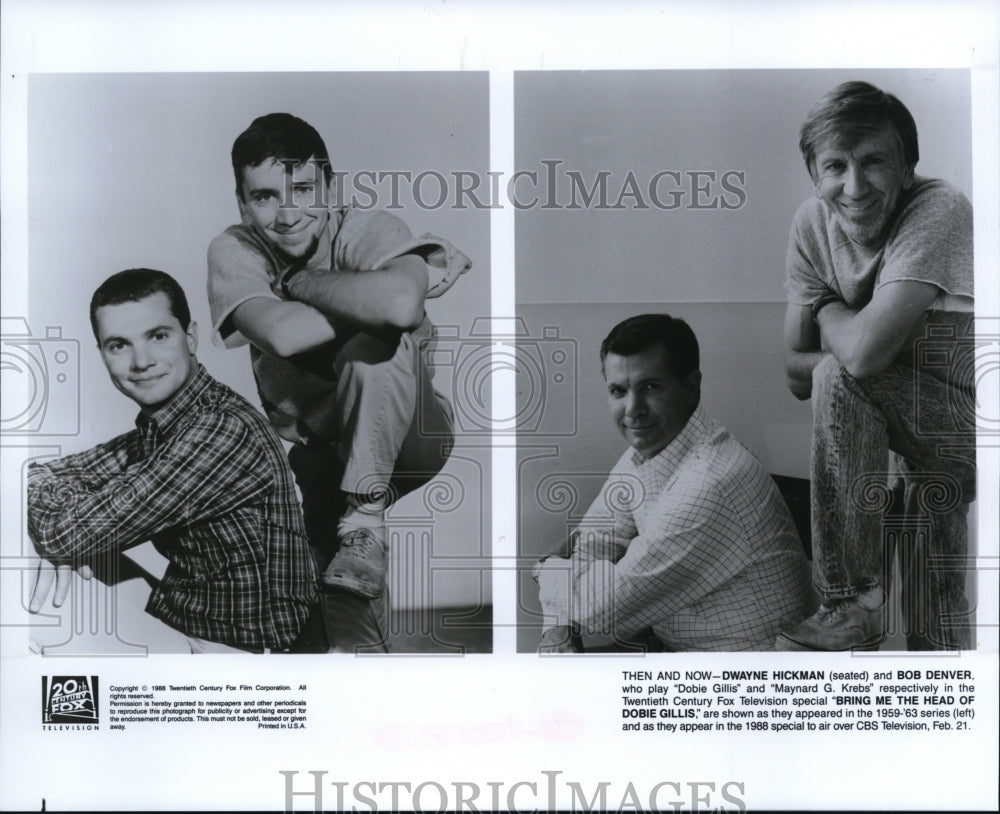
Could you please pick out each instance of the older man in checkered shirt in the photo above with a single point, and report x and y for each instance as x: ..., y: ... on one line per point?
x: 690, y: 536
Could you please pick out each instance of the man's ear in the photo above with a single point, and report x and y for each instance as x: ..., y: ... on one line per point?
x: 908, y: 176
x: 192, y: 336
x: 244, y: 210
x: 813, y: 174
x: 332, y: 201
x: 693, y: 385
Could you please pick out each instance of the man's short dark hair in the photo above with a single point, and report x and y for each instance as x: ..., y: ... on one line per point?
x: 852, y: 112
x: 638, y: 333
x: 278, y: 136
x: 133, y: 285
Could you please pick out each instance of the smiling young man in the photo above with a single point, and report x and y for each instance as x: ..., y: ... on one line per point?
x: 878, y: 260
x: 203, y: 476
x: 331, y: 301
x: 689, y: 536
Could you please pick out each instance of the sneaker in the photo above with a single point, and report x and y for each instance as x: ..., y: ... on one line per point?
x: 561, y: 639
x: 840, y: 624
x: 360, y: 563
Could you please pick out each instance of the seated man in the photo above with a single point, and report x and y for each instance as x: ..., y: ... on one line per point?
x: 203, y: 477
x: 331, y: 301
x: 700, y: 546
x: 879, y: 259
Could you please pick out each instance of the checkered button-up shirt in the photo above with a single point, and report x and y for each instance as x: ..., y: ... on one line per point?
x: 696, y: 543
x: 208, y: 483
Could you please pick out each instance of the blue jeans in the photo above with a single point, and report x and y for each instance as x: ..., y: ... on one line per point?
x: 395, y: 435
x: 927, y: 419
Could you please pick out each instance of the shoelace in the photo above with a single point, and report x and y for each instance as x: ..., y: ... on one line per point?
x: 830, y: 612
x: 360, y: 540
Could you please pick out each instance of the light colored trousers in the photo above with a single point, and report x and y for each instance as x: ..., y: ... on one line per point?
x: 396, y: 434
x: 925, y: 413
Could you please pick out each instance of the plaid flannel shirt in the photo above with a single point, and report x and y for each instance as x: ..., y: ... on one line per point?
x: 208, y: 483
x: 696, y: 543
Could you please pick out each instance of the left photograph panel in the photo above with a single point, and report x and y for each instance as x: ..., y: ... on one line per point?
x: 239, y: 414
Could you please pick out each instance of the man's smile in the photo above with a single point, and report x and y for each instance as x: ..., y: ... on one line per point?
x: 291, y: 230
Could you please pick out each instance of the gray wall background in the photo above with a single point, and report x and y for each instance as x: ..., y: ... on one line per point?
x: 579, y: 272
x: 133, y: 170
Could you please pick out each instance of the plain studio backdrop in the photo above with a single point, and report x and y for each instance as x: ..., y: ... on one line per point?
x: 712, y: 255
x: 130, y: 170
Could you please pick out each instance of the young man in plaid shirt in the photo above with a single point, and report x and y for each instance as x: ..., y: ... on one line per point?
x: 689, y: 537
x: 203, y: 476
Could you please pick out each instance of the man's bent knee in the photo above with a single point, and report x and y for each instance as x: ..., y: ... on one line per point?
x: 829, y: 377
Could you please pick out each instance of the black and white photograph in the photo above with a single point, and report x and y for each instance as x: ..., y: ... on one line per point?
x: 673, y: 194
x: 175, y: 212
x: 454, y: 406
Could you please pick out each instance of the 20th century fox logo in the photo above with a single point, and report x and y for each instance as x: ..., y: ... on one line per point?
x: 70, y: 702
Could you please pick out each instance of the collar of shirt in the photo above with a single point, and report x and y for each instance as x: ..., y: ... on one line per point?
x: 176, y: 407
x: 666, y: 462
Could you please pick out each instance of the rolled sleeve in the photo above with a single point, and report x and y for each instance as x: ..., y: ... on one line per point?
x: 238, y: 270
x: 805, y: 284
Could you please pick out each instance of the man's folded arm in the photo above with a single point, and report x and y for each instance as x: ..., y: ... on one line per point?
x: 381, y: 278
x: 326, y: 304
x: 56, y: 482
x: 89, y: 469
x: 69, y: 476
x: 660, y: 574
x: 603, y: 534
x: 283, y: 327
x: 868, y: 340
x: 383, y: 300
x: 240, y: 293
x: 379, y: 282
x: 802, y: 349
x: 210, y: 468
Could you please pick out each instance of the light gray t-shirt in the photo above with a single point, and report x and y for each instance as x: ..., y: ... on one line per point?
x: 930, y: 241
x: 298, y: 393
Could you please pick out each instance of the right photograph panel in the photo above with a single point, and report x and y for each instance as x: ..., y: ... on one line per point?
x: 746, y: 376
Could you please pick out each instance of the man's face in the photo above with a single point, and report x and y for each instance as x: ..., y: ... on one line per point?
x: 649, y: 405
x: 293, y: 232
x: 862, y: 186
x: 149, y: 356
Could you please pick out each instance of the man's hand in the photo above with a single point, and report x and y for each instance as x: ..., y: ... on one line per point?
x: 49, y: 574
x: 553, y: 577
x: 803, y: 349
